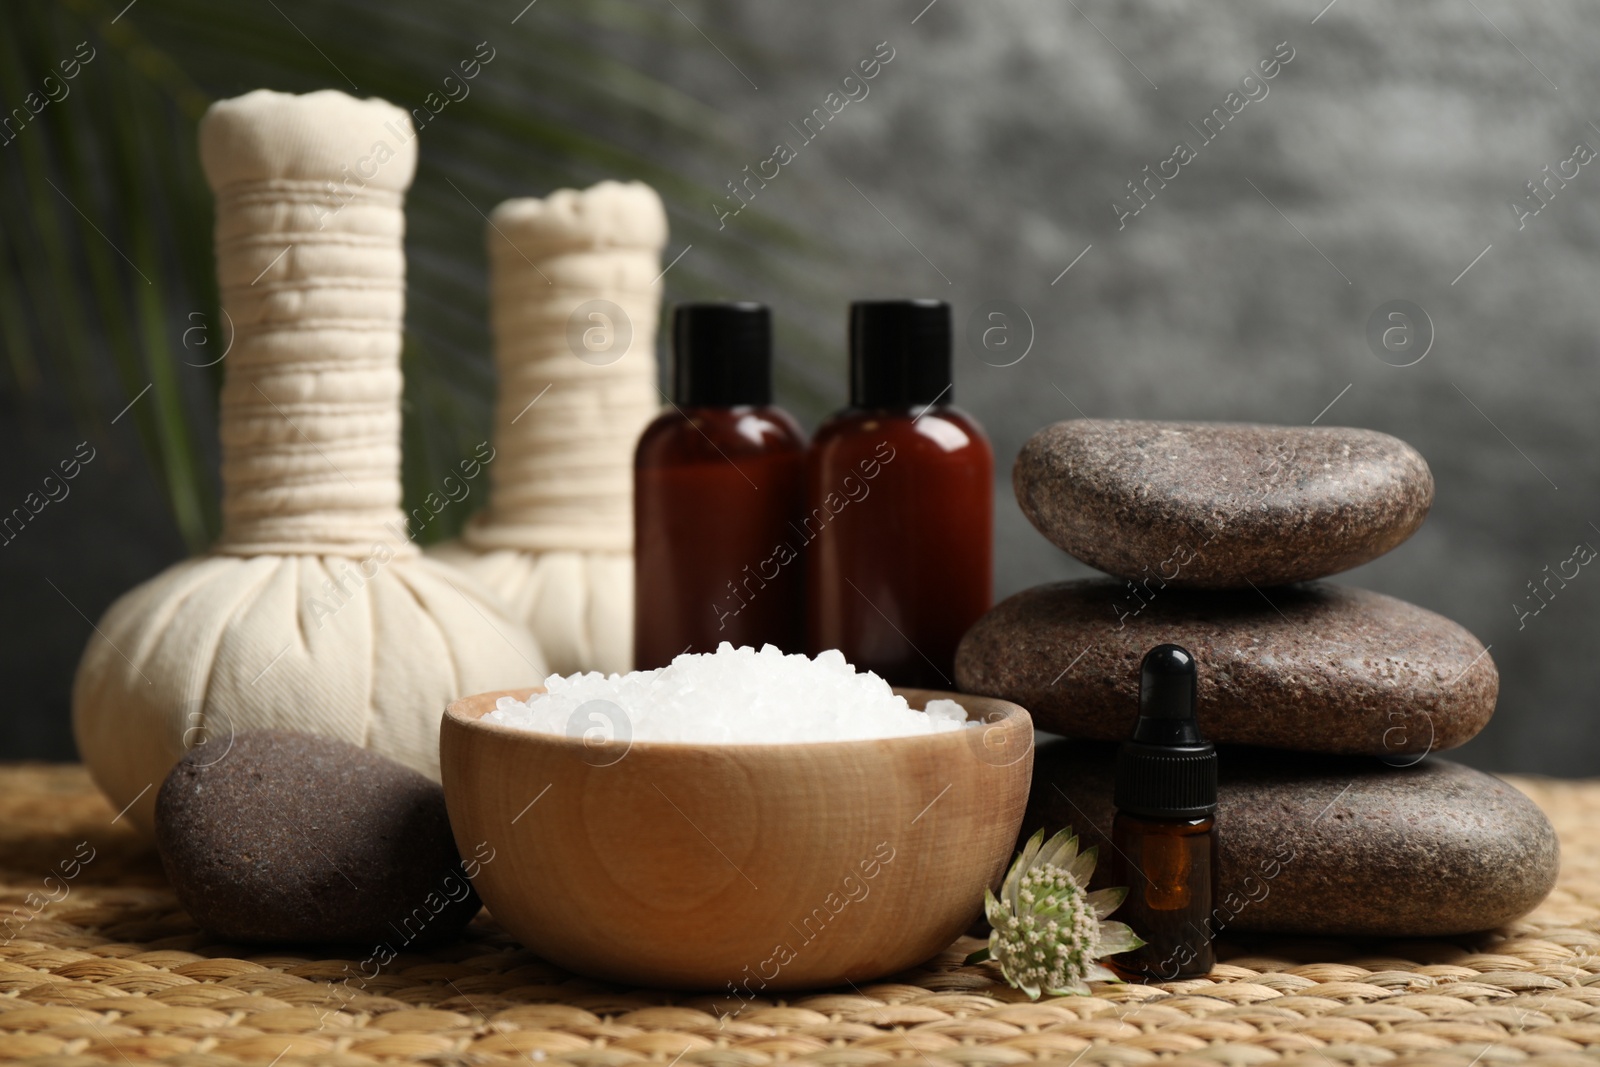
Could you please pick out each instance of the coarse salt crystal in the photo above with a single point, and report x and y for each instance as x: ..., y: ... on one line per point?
x: 732, y: 696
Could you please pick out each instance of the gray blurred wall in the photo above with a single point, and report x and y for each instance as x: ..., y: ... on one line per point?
x: 984, y: 160
x: 1382, y: 160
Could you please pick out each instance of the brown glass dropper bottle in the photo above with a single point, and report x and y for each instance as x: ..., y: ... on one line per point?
x: 1164, y: 832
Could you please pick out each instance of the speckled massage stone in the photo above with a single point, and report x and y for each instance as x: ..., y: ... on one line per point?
x: 273, y: 836
x: 1313, y: 667
x: 1337, y: 845
x: 1221, y: 505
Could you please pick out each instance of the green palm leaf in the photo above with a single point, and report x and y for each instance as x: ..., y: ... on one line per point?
x: 107, y: 288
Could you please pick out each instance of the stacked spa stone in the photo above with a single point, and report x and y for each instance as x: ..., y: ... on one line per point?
x: 1325, y: 700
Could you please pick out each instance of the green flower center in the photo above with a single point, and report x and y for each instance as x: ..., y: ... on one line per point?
x: 1054, y: 937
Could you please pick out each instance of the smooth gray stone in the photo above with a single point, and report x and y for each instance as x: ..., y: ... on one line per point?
x: 1333, y: 845
x: 1312, y: 667
x: 288, y: 837
x: 1214, y: 505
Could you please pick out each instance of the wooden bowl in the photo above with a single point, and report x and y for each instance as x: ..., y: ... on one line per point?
x: 737, y: 868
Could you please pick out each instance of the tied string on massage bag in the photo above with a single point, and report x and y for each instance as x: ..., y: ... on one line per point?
x: 315, y: 611
x: 313, y: 282
x: 576, y: 291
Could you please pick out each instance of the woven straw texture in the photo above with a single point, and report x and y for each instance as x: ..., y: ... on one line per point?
x: 99, y: 965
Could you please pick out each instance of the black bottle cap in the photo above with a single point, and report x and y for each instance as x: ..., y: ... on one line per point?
x: 1165, y: 771
x: 899, y: 353
x: 722, y: 354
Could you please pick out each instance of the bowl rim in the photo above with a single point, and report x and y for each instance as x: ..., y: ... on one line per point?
x: 1012, y: 716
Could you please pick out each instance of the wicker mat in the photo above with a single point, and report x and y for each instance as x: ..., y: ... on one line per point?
x: 111, y: 971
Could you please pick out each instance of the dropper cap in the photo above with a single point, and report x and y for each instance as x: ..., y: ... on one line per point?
x: 1165, y: 770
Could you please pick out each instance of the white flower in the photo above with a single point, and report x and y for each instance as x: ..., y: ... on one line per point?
x: 1049, y: 932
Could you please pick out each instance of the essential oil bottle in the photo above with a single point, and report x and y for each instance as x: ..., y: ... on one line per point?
x: 899, y: 514
x: 1164, y: 832
x: 718, y: 483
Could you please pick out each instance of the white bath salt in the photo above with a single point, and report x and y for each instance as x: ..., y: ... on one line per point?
x: 732, y: 696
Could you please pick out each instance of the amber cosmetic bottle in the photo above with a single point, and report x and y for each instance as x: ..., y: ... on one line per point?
x: 1165, y: 828
x: 717, y: 491
x: 899, y: 504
